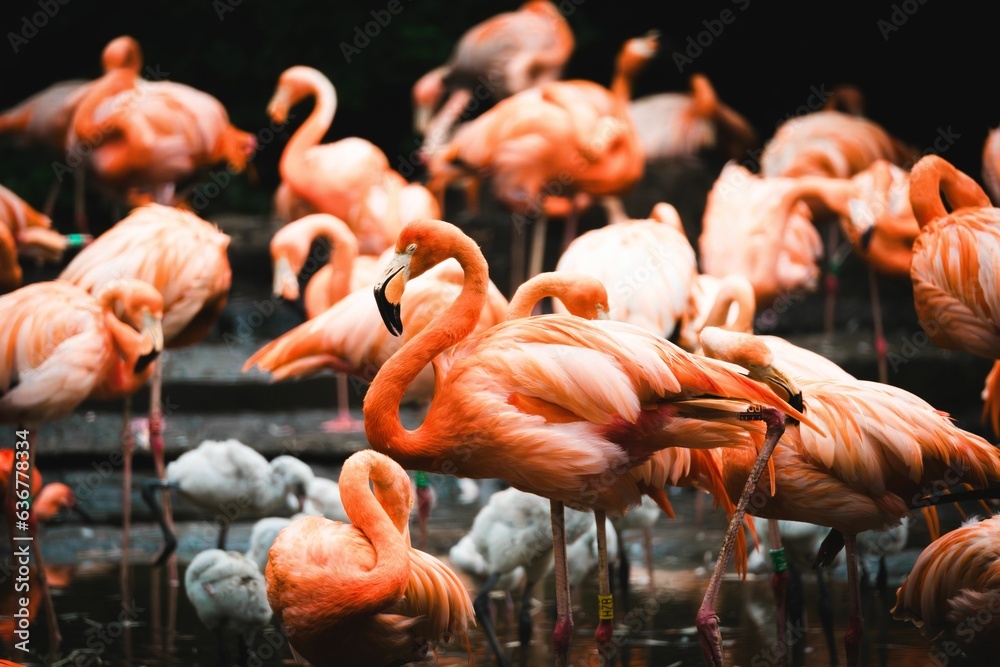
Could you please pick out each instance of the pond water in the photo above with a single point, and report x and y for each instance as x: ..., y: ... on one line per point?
x: 655, y: 628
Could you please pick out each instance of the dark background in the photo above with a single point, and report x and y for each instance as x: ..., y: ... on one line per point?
x: 935, y: 72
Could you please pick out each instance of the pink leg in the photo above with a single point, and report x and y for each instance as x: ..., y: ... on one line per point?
x: 855, y: 626
x: 832, y: 269
x: 50, y: 199
x: 881, y: 348
x: 79, y: 201
x: 779, y: 580
x: 128, y: 447
x: 563, y: 632
x: 344, y: 423
x: 707, y: 621
x: 606, y: 607
x: 157, y: 447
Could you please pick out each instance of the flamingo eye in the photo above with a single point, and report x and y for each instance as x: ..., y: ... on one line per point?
x: 411, y: 248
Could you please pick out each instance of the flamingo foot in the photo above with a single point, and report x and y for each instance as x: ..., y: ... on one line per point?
x: 561, y: 636
x: 604, y: 634
x: 707, y: 622
x: 852, y: 641
x: 342, y: 424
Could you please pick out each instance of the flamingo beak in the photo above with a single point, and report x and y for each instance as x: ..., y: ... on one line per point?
x: 781, y: 383
x: 603, y: 313
x: 286, y: 283
x: 152, y: 328
x: 389, y: 292
x: 277, y: 108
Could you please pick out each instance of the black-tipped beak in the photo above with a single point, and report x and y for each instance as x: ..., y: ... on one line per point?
x: 866, y: 238
x: 795, y: 401
x: 388, y: 309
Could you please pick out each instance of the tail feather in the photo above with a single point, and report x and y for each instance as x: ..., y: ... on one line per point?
x: 297, y: 354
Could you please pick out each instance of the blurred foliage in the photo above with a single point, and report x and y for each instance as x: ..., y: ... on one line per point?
x: 762, y: 64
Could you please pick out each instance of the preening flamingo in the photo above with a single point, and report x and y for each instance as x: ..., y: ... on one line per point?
x: 954, y: 268
x: 683, y: 125
x: 349, y: 178
x: 358, y: 593
x: 648, y: 265
x: 62, y: 345
x: 42, y: 121
x: 760, y: 228
x: 520, y: 402
x: 551, y: 148
x: 182, y: 256
x: 345, y: 272
x: 501, y: 56
x: 885, y: 446
x: 954, y: 581
x: 145, y: 137
x: 227, y: 592
x: 217, y: 476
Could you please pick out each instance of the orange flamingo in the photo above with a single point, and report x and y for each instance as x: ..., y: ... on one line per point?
x: 60, y: 345
x: 760, y: 228
x: 520, y: 402
x: 954, y: 267
x: 550, y: 149
x: 184, y: 258
x: 27, y: 233
x: 991, y: 164
x: 346, y: 272
x: 885, y: 445
x: 349, y: 178
x: 953, y: 582
x: 682, y: 125
x: 144, y: 137
x: 42, y: 121
x: 506, y: 54
x: 877, y: 219
x: 649, y: 265
x: 362, y: 583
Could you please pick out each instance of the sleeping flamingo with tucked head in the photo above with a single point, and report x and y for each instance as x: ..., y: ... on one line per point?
x: 555, y: 431
x: 361, y: 584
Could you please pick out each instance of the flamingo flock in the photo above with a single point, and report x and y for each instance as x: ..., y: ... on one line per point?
x: 644, y: 376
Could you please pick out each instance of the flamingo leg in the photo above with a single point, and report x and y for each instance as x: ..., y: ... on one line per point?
x: 707, y: 621
x: 481, y: 605
x: 344, y: 423
x: 50, y: 199
x: 833, y: 268
x: 647, y: 545
x: 563, y: 631
x: 128, y: 447
x: 779, y: 580
x: 606, y: 605
x: 570, y: 225
x: 157, y: 447
x: 880, y: 343
x: 525, y: 625
x: 517, y: 253
x: 79, y: 203
x: 855, y: 626
x: 539, y: 232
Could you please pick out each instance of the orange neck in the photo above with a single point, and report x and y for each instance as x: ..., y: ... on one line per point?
x: 417, y: 449
x: 562, y: 286
x: 10, y: 270
x: 934, y: 175
x: 312, y: 130
x: 343, y: 252
x: 740, y: 292
x: 84, y: 126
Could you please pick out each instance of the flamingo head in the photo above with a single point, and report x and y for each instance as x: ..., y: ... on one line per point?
x: 427, y: 94
x: 755, y: 356
x: 139, y: 305
x: 294, y: 475
x: 295, y: 84
x: 122, y: 53
x: 638, y: 51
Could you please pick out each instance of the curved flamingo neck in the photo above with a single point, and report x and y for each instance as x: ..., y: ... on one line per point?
x: 627, y: 68
x: 314, y: 128
x: 730, y: 292
x: 10, y: 270
x: 934, y: 175
x: 417, y: 449
x: 553, y: 284
x: 83, y: 124
x: 343, y: 251
x: 387, y: 580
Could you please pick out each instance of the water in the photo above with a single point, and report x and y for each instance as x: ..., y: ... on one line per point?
x: 657, y: 628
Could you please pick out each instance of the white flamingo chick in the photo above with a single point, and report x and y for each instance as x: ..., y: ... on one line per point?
x: 262, y: 536
x: 323, y: 499
x: 227, y: 591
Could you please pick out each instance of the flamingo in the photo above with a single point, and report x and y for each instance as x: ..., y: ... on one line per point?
x: 553, y: 430
x: 877, y: 219
x: 227, y: 476
x: 551, y: 149
x: 954, y: 260
x: 28, y: 233
x: 346, y: 272
x: 508, y: 53
x: 323, y: 499
x: 950, y: 586
x: 728, y: 303
x: 349, y: 178
x: 991, y: 164
x: 61, y: 345
x: 639, y: 259
x: 227, y: 592
x: 262, y: 536
x: 885, y: 445
x: 682, y: 125
x: 42, y: 121
x: 147, y: 136
x: 331, y: 584
x: 760, y: 228
x: 182, y: 256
